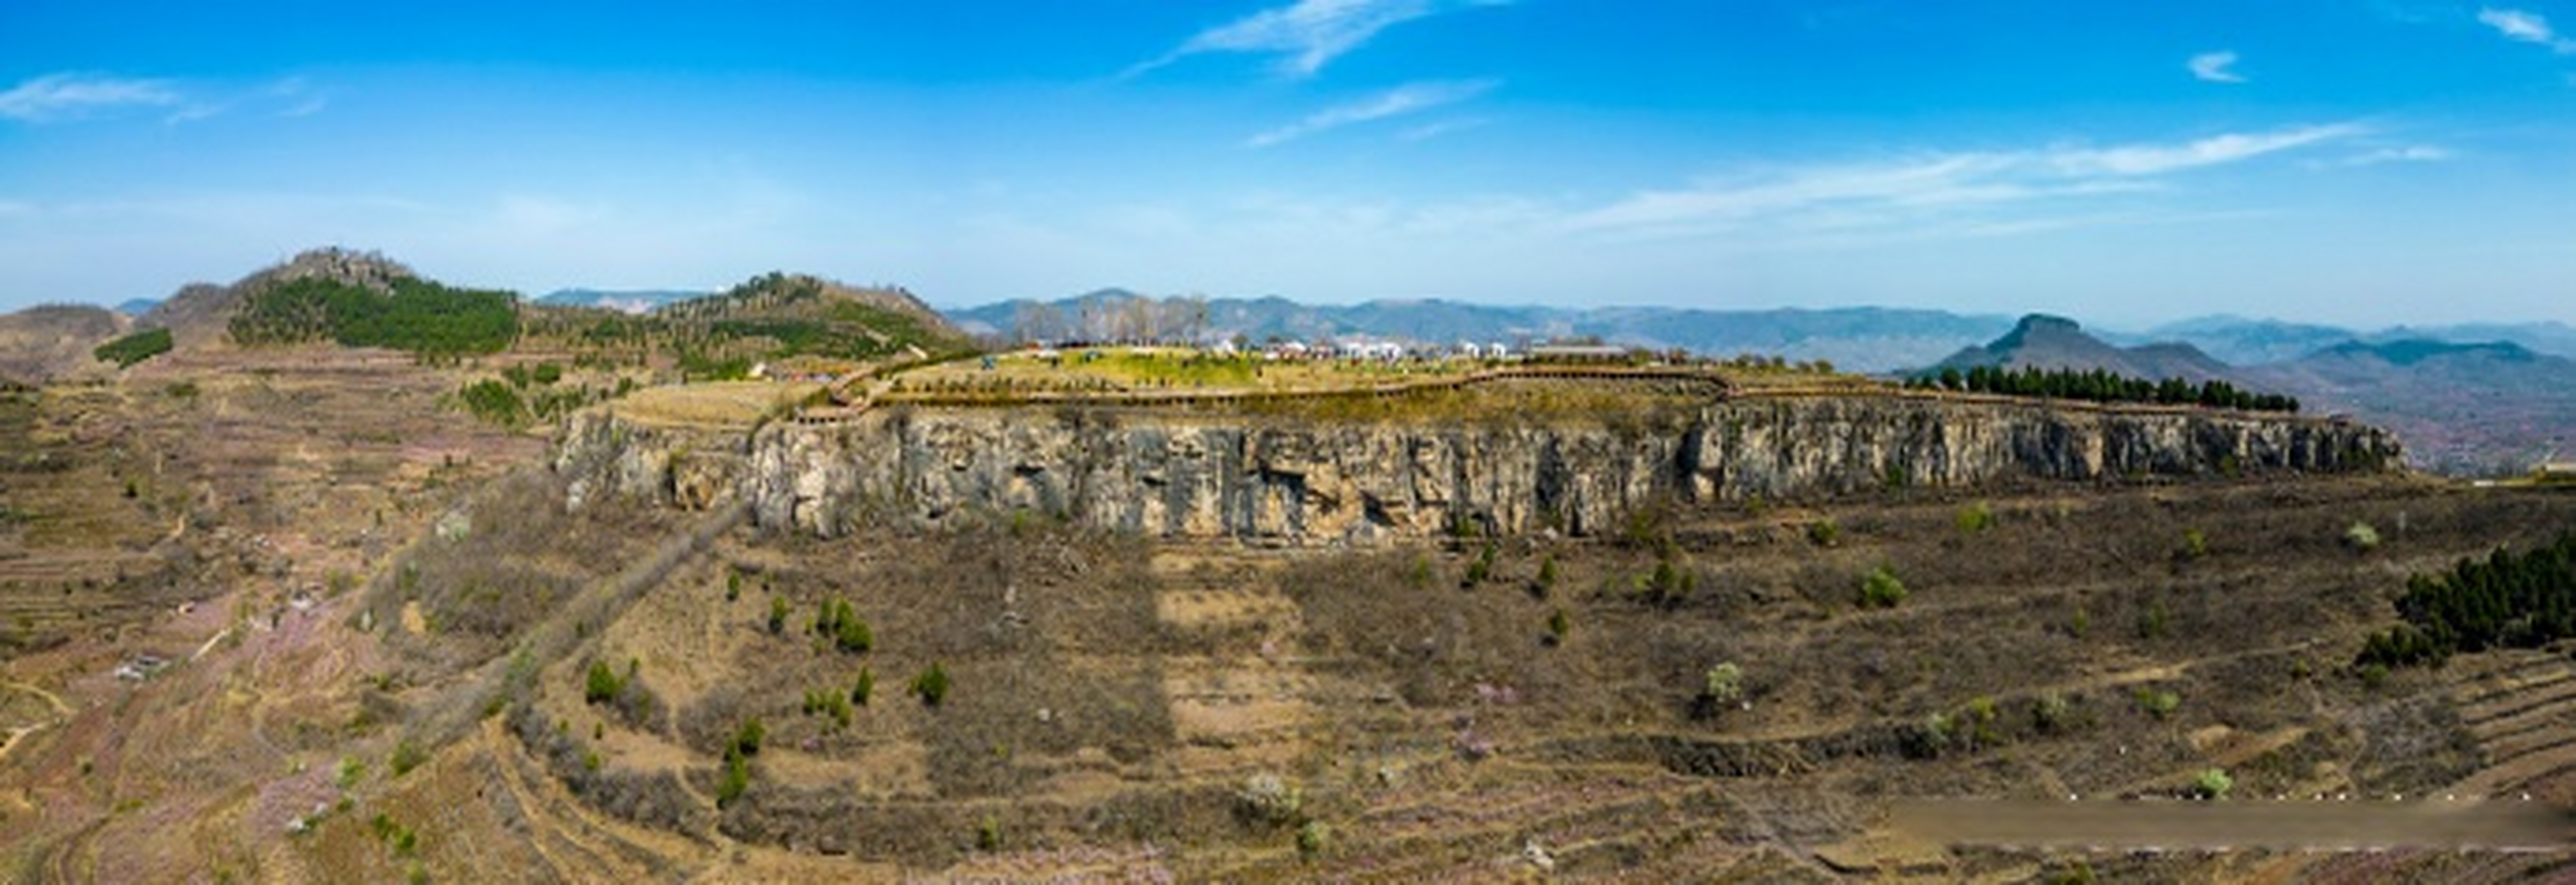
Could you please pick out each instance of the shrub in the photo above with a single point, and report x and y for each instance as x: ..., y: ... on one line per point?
x: 2075, y: 872
x: 1482, y: 567
x: 603, y: 685
x: 1669, y: 585
x: 2157, y: 703
x: 864, y: 687
x: 2154, y: 622
x: 493, y: 401
x: 1881, y: 589
x: 407, y: 756
x: 2194, y: 544
x: 1547, y: 575
x: 736, y: 778
x: 1312, y: 838
x: 1266, y: 799
x: 1930, y: 738
x: 848, y: 633
x: 1979, y: 717
x: 2361, y: 537
x: 1976, y: 518
x: 1723, y: 684
x: 1824, y: 532
x: 746, y: 741
x: 777, y: 615
x: 988, y: 834
x: 931, y: 685
x: 2212, y: 784
x: 2050, y: 713
x: 1557, y: 625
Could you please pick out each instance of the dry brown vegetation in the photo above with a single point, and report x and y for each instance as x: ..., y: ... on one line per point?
x: 367, y: 569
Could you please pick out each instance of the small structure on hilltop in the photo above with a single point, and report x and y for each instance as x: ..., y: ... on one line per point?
x: 2555, y: 471
x: 1578, y: 353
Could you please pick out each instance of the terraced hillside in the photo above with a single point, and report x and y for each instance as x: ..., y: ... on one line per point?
x: 297, y: 615
x: 1126, y: 708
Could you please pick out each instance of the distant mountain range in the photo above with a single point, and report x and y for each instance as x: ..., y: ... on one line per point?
x: 622, y: 300
x: 1866, y: 339
x: 1863, y: 339
x: 2484, y: 408
x: 2049, y: 342
x: 2247, y: 342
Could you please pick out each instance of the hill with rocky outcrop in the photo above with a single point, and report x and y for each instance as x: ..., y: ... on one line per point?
x: 199, y: 314
x: 2050, y: 342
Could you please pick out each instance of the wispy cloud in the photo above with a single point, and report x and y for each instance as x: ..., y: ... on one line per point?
x: 1308, y: 34
x: 71, y: 95
x: 1428, y: 131
x: 2215, y: 67
x: 2525, y: 27
x: 1411, y: 98
x: 2159, y: 159
x: 1933, y: 187
x: 2419, y: 153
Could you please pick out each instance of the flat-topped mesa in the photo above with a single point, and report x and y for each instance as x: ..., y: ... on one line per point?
x: 1298, y: 479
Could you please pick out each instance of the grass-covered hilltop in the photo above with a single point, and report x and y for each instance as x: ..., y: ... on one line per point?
x: 343, y: 573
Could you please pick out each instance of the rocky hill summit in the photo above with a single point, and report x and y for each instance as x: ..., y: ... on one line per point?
x: 2053, y: 342
x: 197, y: 314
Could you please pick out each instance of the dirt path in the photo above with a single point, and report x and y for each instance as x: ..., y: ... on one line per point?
x: 62, y: 713
x: 557, y: 636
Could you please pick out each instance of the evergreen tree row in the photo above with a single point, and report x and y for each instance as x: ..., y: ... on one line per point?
x: 2101, y: 386
x: 2507, y: 601
x: 418, y: 316
x: 135, y: 348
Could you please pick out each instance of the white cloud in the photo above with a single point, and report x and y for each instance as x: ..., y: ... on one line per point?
x: 67, y: 95
x: 2420, y: 153
x: 1410, y: 98
x: 2159, y: 159
x: 1308, y: 34
x: 2525, y: 27
x: 1428, y: 131
x: 1936, y: 187
x: 2215, y: 67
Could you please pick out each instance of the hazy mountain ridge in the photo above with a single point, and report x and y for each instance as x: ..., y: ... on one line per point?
x: 621, y: 300
x: 2240, y: 341
x: 2052, y: 342
x: 1866, y: 339
x: 2479, y: 408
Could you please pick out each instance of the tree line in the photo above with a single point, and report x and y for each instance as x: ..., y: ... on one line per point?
x: 135, y: 348
x: 2101, y: 386
x: 418, y: 316
x: 2509, y: 600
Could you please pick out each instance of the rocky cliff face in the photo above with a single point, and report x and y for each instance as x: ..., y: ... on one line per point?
x: 1272, y: 480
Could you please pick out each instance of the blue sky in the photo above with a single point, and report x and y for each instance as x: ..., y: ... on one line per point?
x: 2363, y: 162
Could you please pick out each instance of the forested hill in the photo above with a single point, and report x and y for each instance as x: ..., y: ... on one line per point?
x: 411, y: 314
